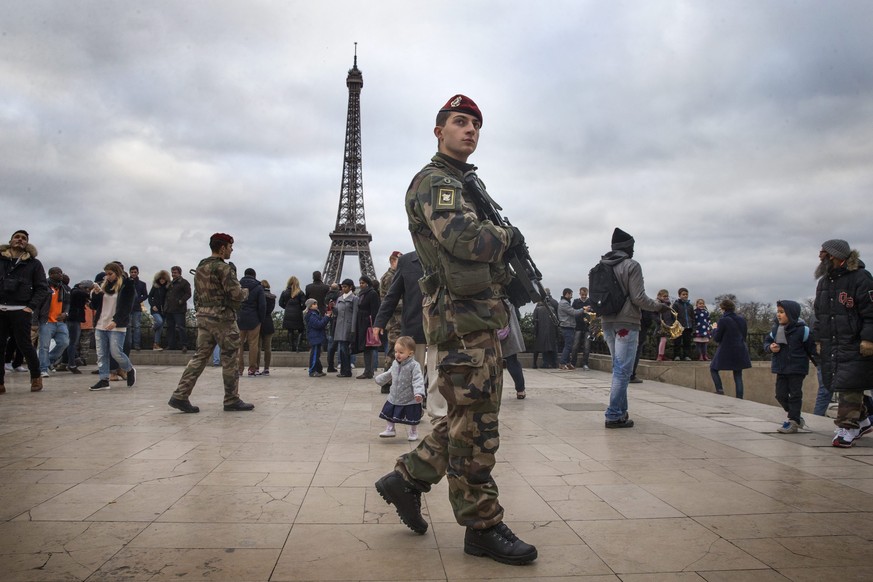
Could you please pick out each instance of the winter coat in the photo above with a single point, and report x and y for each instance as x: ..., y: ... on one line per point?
x: 514, y: 342
x: 140, y: 295
x: 630, y: 277
x: 22, y: 280
x: 581, y: 319
x: 267, y: 326
x: 157, y: 298
x: 253, y: 310
x: 404, y: 288
x: 366, y: 310
x: 318, y: 291
x: 344, y: 314
x: 406, y: 380
x: 793, y: 356
x: 178, y: 294
x: 666, y: 317
x: 316, y: 324
x: 42, y: 313
x: 78, y: 300
x: 684, y: 313
x: 545, y: 330
x: 293, y: 307
x: 122, y: 307
x: 844, y: 317
x: 702, y: 323
x: 732, y: 352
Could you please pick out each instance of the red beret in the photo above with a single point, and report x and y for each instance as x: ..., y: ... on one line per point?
x: 223, y: 237
x: 463, y: 104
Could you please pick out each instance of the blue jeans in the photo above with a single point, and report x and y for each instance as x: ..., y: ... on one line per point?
x: 110, y: 343
x: 823, y: 398
x: 738, y: 382
x: 345, y: 358
x: 216, y: 355
x: 569, y: 334
x: 314, y: 359
x: 47, y: 332
x: 134, y: 332
x: 622, y: 344
x: 176, y: 330
x: 157, y: 327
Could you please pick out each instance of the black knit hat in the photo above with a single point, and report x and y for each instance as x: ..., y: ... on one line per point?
x: 621, y: 241
x: 837, y: 248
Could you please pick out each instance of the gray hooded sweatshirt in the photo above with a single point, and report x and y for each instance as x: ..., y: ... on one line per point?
x: 630, y: 277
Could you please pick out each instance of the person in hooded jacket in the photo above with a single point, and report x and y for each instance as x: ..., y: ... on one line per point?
x: 844, y: 326
x: 791, y: 345
x: 621, y: 331
x: 252, y: 313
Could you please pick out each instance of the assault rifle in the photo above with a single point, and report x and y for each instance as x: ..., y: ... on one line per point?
x: 525, y: 285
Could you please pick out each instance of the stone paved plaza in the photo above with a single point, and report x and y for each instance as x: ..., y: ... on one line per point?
x: 116, y: 486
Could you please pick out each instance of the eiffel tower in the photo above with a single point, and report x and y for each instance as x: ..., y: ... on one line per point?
x: 350, y: 237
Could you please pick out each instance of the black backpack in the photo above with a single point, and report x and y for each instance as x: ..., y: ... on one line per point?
x: 607, y: 296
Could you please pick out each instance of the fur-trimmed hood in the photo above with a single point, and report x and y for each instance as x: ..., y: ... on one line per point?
x: 29, y: 251
x: 853, y: 261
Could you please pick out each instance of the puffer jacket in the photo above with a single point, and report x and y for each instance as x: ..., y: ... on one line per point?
x: 22, y: 280
x: 793, y: 356
x: 844, y: 317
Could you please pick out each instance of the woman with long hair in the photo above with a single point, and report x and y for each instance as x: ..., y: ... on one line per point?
x: 112, y: 302
x: 293, y: 301
x: 732, y: 353
x: 344, y: 332
x: 365, y: 313
x: 157, y: 295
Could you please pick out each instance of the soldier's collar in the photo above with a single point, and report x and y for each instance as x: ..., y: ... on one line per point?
x: 462, y: 166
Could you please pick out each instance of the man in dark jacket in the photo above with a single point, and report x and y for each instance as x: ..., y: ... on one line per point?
x: 133, y: 337
x: 23, y: 289
x: 404, y: 289
x: 621, y: 331
x: 175, y: 309
x: 582, y: 339
x: 844, y: 326
x: 317, y: 290
x: 251, y: 316
x: 52, y: 319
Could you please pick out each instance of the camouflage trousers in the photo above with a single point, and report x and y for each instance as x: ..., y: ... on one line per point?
x: 850, y: 410
x: 462, y: 444
x: 212, y: 332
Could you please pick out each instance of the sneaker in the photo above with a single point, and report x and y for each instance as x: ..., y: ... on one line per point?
x: 388, y: 433
x: 788, y: 427
x: 687, y: 359
x: 157, y: 348
x: 621, y: 423
x: 100, y: 385
x: 564, y: 367
x: 845, y: 437
x: 413, y: 435
x: 21, y: 369
x: 266, y: 372
x: 331, y: 370
x: 60, y: 368
x: 406, y: 500
x: 9, y: 366
x: 75, y: 370
x: 677, y: 359
x: 498, y: 543
x: 131, y: 377
x: 585, y: 367
x: 571, y: 367
x: 44, y: 374
x: 866, y: 426
x: 253, y: 372
x: 183, y: 405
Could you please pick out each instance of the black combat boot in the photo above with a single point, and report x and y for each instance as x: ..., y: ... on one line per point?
x: 499, y: 543
x: 404, y: 498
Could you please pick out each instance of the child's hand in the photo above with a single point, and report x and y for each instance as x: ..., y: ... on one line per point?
x: 418, y: 398
x: 774, y: 347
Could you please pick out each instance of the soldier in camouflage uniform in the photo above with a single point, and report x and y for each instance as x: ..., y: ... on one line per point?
x: 392, y: 328
x: 463, y: 307
x: 217, y: 297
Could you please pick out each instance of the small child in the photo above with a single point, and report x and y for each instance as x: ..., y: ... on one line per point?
x: 315, y: 326
x: 685, y: 315
x: 668, y: 319
x: 407, y: 389
x: 702, y: 329
x: 791, y: 344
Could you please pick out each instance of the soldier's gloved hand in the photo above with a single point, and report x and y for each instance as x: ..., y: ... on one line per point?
x: 517, y: 237
x: 866, y: 348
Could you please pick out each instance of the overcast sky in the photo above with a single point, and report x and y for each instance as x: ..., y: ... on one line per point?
x: 730, y: 138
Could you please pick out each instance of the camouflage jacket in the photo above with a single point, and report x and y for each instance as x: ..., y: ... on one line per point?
x: 461, y: 254
x: 384, y: 285
x: 217, y: 292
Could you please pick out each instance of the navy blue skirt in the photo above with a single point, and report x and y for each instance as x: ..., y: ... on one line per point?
x: 408, y: 414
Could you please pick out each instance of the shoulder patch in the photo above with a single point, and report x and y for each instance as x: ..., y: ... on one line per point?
x: 445, y: 194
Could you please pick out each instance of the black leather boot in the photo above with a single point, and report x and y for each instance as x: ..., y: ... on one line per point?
x: 499, y: 543
x: 394, y: 489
